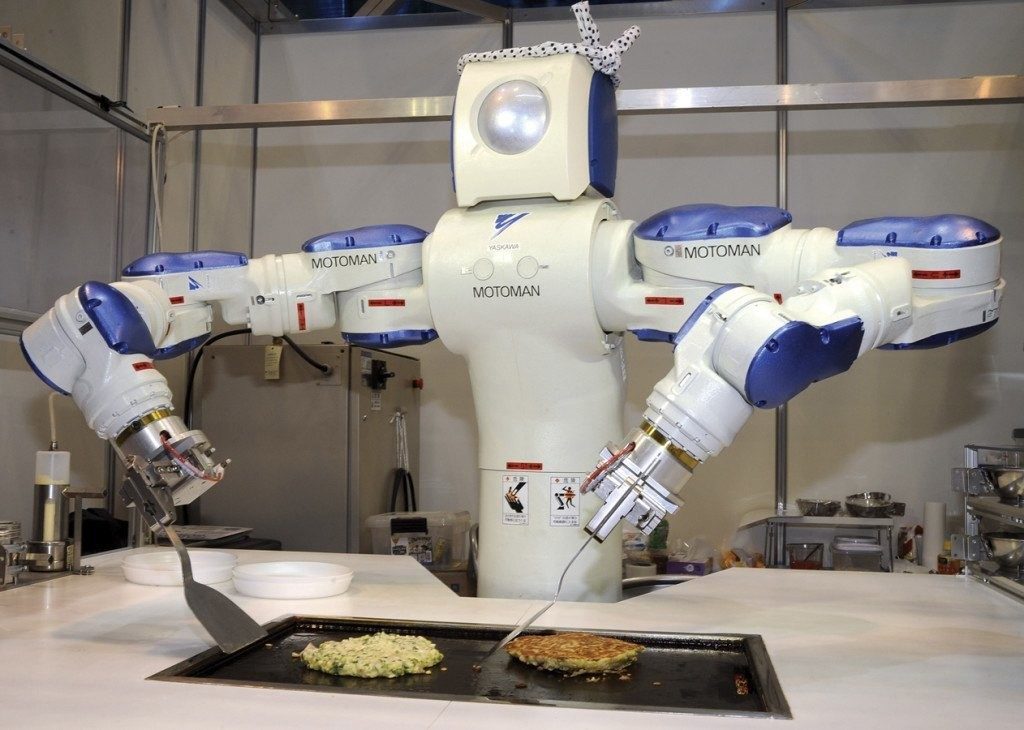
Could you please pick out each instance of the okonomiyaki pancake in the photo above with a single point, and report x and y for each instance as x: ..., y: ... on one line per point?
x: 575, y: 652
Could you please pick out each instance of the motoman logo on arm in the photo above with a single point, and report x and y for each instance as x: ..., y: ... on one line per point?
x: 353, y: 259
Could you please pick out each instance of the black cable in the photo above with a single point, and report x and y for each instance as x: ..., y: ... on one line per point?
x: 190, y: 383
x: 325, y: 369
x: 195, y: 366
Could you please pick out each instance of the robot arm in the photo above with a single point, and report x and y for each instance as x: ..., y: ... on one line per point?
x: 741, y: 348
x: 99, y: 341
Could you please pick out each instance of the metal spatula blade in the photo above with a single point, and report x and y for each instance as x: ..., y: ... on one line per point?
x: 528, y: 622
x: 230, y: 626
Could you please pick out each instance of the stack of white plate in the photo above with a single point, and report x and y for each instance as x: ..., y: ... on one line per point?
x: 289, y: 579
x: 161, y: 567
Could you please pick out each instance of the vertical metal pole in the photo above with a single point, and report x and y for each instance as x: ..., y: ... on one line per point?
x: 781, y: 200
x: 255, y: 141
x: 197, y: 149
x: 507, y: 30
x: 119, y: 242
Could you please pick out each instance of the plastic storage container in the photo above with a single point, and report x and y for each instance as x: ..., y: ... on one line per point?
x: 848, y: 554
x: 436, y: 539
x: 805, y: 555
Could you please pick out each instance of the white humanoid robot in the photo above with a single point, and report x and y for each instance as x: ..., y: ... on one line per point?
x: 533, y: 279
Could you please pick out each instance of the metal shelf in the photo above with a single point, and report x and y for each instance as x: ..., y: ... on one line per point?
x: 992, y: 508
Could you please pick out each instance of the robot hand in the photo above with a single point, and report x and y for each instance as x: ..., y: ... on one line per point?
x: 740, y: 349
x: 96, y: 344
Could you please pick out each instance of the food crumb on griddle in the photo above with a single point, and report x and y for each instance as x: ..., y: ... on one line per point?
x: 477, y: 668
x: 520, y: 685
x: 625, y: 677
x: 656, y: 684
x: 444, y: 669
x: 594, y: 678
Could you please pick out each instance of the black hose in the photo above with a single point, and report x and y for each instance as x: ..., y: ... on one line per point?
x: 190, y: 383
x: 325, y: 369
x: 195, y: 366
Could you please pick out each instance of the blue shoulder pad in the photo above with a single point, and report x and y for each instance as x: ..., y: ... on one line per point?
x: 943, y: 338
x: 799, y: 354
x: 116, y: 319
x: 365, y: 237
x: 708, y: 222
x: 179, y: 263
x: 395, y: 338
x: 938, y: 231
x: 166, y: 353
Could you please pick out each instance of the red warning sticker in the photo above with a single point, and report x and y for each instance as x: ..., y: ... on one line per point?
x: 302, y: 315
x: 385, y: 302
x: 675, y: 301
x: 147, y: 365
x: 525, y: 465
x: 938, y: 274
x: 178, y: 300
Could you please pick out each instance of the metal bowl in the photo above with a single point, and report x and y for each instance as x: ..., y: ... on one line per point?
x: 818, y: 507
x: 1007, y: 483
x: 870, y: 504
x: 1006, y: 548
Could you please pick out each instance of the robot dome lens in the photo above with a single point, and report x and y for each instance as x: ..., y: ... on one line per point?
x: 513, y: 117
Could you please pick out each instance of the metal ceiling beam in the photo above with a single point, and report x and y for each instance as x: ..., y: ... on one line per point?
x: 479, y: 8
x: 849, y: 95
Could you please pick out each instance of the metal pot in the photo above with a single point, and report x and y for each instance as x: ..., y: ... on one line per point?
x: 1006, y: 548
x: 1007, y: 483
x: 818, y: 507
x: 873, y: 504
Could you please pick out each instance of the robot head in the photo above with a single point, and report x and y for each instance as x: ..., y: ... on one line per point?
x: 533, y: 127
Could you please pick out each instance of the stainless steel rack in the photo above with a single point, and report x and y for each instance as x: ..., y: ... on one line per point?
x: 982, y: 507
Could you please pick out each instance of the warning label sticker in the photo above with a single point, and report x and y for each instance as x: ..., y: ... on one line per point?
x: 565, y: 501
x: 515, y: 499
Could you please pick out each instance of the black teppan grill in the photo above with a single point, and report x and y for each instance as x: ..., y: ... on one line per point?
x: 721, y: 674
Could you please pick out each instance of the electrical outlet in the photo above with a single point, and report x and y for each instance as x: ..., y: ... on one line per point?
x: 19, y: 40
x: 5, y: 33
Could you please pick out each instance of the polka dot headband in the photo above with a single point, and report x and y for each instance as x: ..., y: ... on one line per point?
x: 604, y: 59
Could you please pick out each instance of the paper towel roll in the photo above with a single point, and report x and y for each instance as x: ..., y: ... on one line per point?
x: 637, y: 570
x: 934, y: 533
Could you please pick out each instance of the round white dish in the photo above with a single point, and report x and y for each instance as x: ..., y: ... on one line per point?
x: 161, y: 567
x: 292, y: 579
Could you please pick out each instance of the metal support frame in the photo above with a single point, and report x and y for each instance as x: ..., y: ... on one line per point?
x: 197, y: 142
x: 275, y: 18
x: 13, y: 59
x: 110, y: 465
x: 479, y: 8
x: 782, y: 201
x: 847, y: 95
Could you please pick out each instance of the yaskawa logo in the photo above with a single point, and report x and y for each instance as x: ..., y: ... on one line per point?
x: 504, y: 221
x: 193, y: 284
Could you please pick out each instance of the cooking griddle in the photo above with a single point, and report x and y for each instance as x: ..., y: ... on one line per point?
x: 722, y: 674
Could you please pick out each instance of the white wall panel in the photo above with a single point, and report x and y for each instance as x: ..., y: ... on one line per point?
x: 79, y: 39
x: 225, y: 183
x: 898, y: 421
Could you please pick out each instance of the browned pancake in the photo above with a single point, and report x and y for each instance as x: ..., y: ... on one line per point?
x: 575, y: 652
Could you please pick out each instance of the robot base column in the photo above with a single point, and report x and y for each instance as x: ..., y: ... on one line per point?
x: 530, y: 526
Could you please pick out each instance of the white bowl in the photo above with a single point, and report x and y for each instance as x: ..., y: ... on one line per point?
x: 292, y: 579
x: 161, y: 567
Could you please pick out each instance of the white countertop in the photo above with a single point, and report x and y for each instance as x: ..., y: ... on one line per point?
x: 850, y: 649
